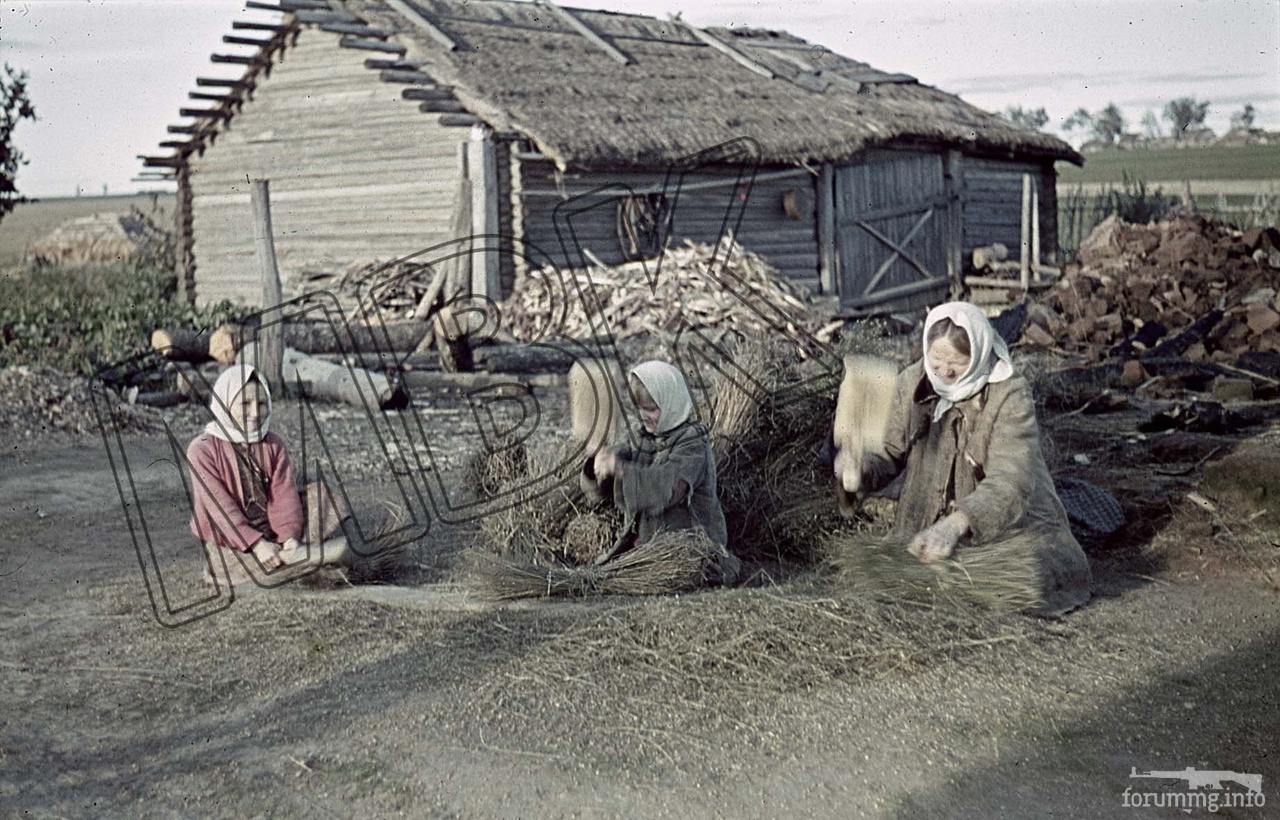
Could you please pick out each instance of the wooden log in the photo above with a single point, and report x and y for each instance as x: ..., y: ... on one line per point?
x: 241, y: 25
x: 452, y: 342
x: 348, y: 41
x: 458, y: 120
x: 177, y: 145
x: 238, y: 59
x: 1026, y: 229
x: 160, y: 398
x: 181, y: 345
x: 427, y: 93
x: 183, y: 129
x: 234, y: 40
x: 218, y: 98
x: 1179, y: 342
x: 522, y: 359
x: 355, y: 29
x: 270, y: 335
x: 390, y: 64
x: 205, y: 113
x: 405, y: 76
x: 218, y: 82
x: 319, y: 380
x: 427, y: 304
x: 445, y: 106
x: 388, y: 337
x: 482, y: 167
x: 320, y: 17
x: 225, y: 343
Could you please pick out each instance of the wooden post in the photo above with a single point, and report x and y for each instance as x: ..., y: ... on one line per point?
x: 953, y: 186
x: 270, y: 333
x: 1035, y: 230
x: 483, y: 166
x: 828, y: 262
x: 1025, y: 268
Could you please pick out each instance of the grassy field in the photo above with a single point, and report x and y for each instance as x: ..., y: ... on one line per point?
x: 28, y: 223
x: 1250, y: 162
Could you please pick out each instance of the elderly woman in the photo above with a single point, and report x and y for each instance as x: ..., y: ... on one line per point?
x: 244, y: 496
x: 963, y: 429
x: 669, y: 481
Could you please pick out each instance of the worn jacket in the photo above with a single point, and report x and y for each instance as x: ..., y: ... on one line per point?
x: 217, y: 493
x: 983, y: 457
x: 647, y: 476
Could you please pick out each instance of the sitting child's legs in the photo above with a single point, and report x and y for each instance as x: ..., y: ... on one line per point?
x: 325, y: 512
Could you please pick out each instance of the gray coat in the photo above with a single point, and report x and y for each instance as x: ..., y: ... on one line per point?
x: 647, y: 477
x: 983, y: 457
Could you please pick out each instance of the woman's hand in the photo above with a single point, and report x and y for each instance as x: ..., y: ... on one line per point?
x: 267, y: 553
x: 606, y: 463
x: 291, y: 544
x: 939, y: 541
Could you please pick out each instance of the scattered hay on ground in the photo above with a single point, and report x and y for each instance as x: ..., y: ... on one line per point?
x: 669, y: 562
x: 999, y: 577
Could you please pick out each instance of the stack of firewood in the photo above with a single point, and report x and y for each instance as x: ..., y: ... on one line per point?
x: 691, y: 286
x: 1189, y: 279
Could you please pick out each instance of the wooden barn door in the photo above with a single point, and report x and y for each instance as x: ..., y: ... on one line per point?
x: 894, y: 225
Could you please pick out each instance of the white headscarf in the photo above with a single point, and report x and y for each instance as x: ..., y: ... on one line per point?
x: 989, y: 359
x: 226, y: 390
x: 667, y: 387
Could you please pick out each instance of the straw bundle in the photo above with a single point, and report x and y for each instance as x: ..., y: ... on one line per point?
x: 667, y: 563
x: 490, y: 470
x: 1000, y: 577
x: 862, y: 414
x: 589, y: 534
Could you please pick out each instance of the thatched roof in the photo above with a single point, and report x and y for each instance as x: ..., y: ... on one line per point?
x: 598, y: 88
x: 523, y: 68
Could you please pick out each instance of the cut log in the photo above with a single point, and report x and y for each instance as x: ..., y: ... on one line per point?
x: 181, y: 345
x: 522, y: 359
x: 322, y: 337
x: 324, y: 381
x: 1196, y: 332
x: 225, y: 342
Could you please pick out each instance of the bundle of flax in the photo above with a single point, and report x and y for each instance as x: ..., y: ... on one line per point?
x: 669, y: 562
x: 1001, y: 576
x: 721, y: 287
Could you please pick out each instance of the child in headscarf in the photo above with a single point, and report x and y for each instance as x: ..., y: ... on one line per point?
x: 963, y: 428
x: 244, y: 495
x: 669, y: 481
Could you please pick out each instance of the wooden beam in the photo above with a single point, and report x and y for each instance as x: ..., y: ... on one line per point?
x: 953, y: 187
x: 442, y: 106
x: 458, y: 120
x: 1025, y: 268
x: 482, y: 164
x: 409, y: 77
x: 271, y: 333
x: 348, y: 41
x: 301, y: 5
x: 390, y: 64
x: 231, y: 39
x: 356, y: 29
x: 419, y: 19
x: 898, y: 292
x: 219, y: 98
x: 427, y: 93
x: 730, y: 52
x: 1035, y: 229
x: 238, y: 59
x: 259, y: 6
x: 205, y: 113
x: 160, y: 162
x: 183, y: 129
x: 178, y: 145
x: 241, y: 25
x: 221, y: 83
x: 327, y: 16
x: 828, y: 260
x: 573, y: 22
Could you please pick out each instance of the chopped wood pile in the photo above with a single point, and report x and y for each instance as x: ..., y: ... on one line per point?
x: 688, y: 291
x: 1188, y: 286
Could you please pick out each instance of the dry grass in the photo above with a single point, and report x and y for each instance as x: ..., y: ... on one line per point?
x: 488, y: 471
x: 999, y: 577
x: 667, y: 563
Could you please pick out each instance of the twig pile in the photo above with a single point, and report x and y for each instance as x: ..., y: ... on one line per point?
x: 695, y: 287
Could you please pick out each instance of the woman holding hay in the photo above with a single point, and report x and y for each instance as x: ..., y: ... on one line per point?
x: 244, y: 496
x: 962, y: 430
x: 667, y: 483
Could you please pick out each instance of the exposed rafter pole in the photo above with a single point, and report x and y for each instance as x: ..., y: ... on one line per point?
x: 232, y: 39
x: 348, y: 41
x: 413, y: 15
x: 241, y: 25
x: 221, y: 83
x: 727, y: 50
x: 586, y: 31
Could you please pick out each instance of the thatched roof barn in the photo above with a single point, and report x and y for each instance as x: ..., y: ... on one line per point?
x: 372, y: 117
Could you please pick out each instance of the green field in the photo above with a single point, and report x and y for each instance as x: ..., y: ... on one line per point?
x: 31, y: 221
x: 1249, y: 162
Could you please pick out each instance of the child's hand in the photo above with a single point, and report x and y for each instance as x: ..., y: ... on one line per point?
x: 606, y: 463
x: 267, y: 553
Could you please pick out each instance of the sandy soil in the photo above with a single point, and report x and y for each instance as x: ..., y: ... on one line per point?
x: 418, y: 700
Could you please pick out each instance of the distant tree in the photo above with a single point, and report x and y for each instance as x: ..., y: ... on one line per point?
x: 1108, y: 124
x: 1151, y: 125
x: 1244, y: 117
x: 15, y: 106
x: 1185, y: 112
x: 1080, y: 119
x: 1030, y: 119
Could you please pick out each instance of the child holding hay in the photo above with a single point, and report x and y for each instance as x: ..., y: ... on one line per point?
x: 668, y: 483
x: 962, y: 431
x: 244, y: 496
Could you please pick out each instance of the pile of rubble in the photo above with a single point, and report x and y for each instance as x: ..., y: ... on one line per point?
x: 40, y: 400
x: 734, y: 291
x: 1200, y: 288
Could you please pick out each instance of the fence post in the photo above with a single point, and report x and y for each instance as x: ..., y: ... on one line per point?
x: 270, y: 333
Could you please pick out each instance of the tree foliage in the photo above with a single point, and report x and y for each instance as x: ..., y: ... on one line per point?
x: 1244, y: 118
x: 1028, y: 118
x: 15, y: 106
x: 1185, y: 112
x: 1108, y: 124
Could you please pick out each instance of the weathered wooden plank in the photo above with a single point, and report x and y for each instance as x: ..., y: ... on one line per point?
x: 416, y: 16
x: 369, y: 44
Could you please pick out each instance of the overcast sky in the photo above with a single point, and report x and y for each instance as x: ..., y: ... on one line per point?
x: 107, y: 76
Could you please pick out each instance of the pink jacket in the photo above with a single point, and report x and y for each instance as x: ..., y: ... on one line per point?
x: 217, y: 498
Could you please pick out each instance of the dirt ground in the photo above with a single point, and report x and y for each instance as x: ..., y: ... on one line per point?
x: 418, y: 700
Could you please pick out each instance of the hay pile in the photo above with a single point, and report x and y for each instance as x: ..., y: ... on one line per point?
x: 104, y: 238
x: 687, y: 292
x: 667, y: 563
x: 994, y: 577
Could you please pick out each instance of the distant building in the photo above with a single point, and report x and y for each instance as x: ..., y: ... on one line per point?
x: 368, y: 116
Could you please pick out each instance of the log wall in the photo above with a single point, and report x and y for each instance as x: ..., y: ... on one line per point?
x: 357, y: 174
x: 993, y: 205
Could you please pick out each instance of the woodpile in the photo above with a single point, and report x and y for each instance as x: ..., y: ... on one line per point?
x: 688, y: 290
x: 1188, y: 286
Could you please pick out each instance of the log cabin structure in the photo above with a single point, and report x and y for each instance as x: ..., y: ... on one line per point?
x: 373, y: 119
